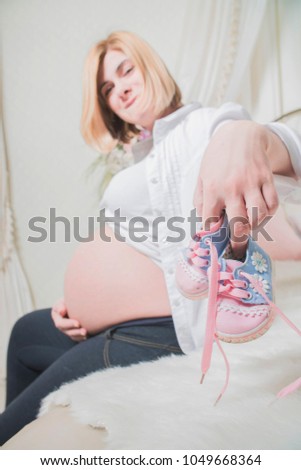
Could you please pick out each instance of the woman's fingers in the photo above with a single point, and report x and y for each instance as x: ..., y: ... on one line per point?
x: 66, y: 325
x: 77, y: 334
x: 63, y: 323
x: 257, y: 208
x: 270, y: 196
x: 60, y: 307
x: 239, y: 226
x: 211, y: 209
x: 69, y: 327
x: 236, y: 174
x: 198, y: 197
x: 261, y: 205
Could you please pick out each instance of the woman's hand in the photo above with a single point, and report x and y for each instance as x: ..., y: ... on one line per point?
x: 66, y: 325
x: 236, y: 174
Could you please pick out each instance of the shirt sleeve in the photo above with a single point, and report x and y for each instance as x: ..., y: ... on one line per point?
x: 228, y: 112
x: 292, y: 141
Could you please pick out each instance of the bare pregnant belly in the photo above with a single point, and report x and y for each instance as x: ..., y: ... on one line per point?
x: 111, y: 282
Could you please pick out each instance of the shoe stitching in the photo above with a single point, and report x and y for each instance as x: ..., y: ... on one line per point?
x: 192, y: 274
x: 245, y: 311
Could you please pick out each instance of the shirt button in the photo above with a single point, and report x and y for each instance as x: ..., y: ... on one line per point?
x: 176, y: 302
x: 154, y: 180
x: 170, y: 270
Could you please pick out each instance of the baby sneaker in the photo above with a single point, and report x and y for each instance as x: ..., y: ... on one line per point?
x: 244, y: 302
x: 194, y: 261
x: 240, y: 306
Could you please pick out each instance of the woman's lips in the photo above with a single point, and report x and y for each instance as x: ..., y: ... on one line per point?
x: 129, y: 103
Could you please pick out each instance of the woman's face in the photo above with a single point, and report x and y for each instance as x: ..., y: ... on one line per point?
x: 122, y: 87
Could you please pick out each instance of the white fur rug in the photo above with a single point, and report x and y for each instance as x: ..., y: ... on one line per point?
x: 161, y: 405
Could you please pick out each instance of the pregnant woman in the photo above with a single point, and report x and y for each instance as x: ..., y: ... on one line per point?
x: 121, y: 305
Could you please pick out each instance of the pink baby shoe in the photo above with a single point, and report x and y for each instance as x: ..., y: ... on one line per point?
x: 193, y: 262
x: 240, y: 306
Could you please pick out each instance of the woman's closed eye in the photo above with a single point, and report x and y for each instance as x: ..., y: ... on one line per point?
x: 107, y: 91
x: 128, y: 70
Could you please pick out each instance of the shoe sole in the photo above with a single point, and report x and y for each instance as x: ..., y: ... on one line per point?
x: 251, y: 335
x: 192, y: 296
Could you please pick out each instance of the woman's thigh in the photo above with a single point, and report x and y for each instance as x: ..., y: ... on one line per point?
x: 35, y: 343
x: 121, y: 345
x: 131, y: 343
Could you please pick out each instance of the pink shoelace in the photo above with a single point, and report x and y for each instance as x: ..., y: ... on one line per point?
x: 235, y: 288
x: 195, y: 253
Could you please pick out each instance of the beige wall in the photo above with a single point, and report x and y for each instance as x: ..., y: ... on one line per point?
x: 44, y: 45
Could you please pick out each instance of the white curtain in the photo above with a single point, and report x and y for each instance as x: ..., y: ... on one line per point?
x: 218, y: 41
x: 15, y: 298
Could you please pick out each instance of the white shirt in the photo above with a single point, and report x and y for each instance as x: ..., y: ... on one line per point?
x: 163, y: 184
x: 128, y: 191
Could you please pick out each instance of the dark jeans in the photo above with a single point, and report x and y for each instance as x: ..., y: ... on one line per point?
x: 41, y: 358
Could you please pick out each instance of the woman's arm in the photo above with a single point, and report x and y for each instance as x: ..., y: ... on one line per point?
x: 236, y: 173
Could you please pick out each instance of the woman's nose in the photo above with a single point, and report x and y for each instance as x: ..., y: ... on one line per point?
x: 124, y: 90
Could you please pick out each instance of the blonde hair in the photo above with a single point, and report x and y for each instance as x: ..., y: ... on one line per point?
x: 100, y: 127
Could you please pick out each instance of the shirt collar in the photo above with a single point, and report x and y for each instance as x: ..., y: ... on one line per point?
x: 161, y: 128
x: 167, y: 123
